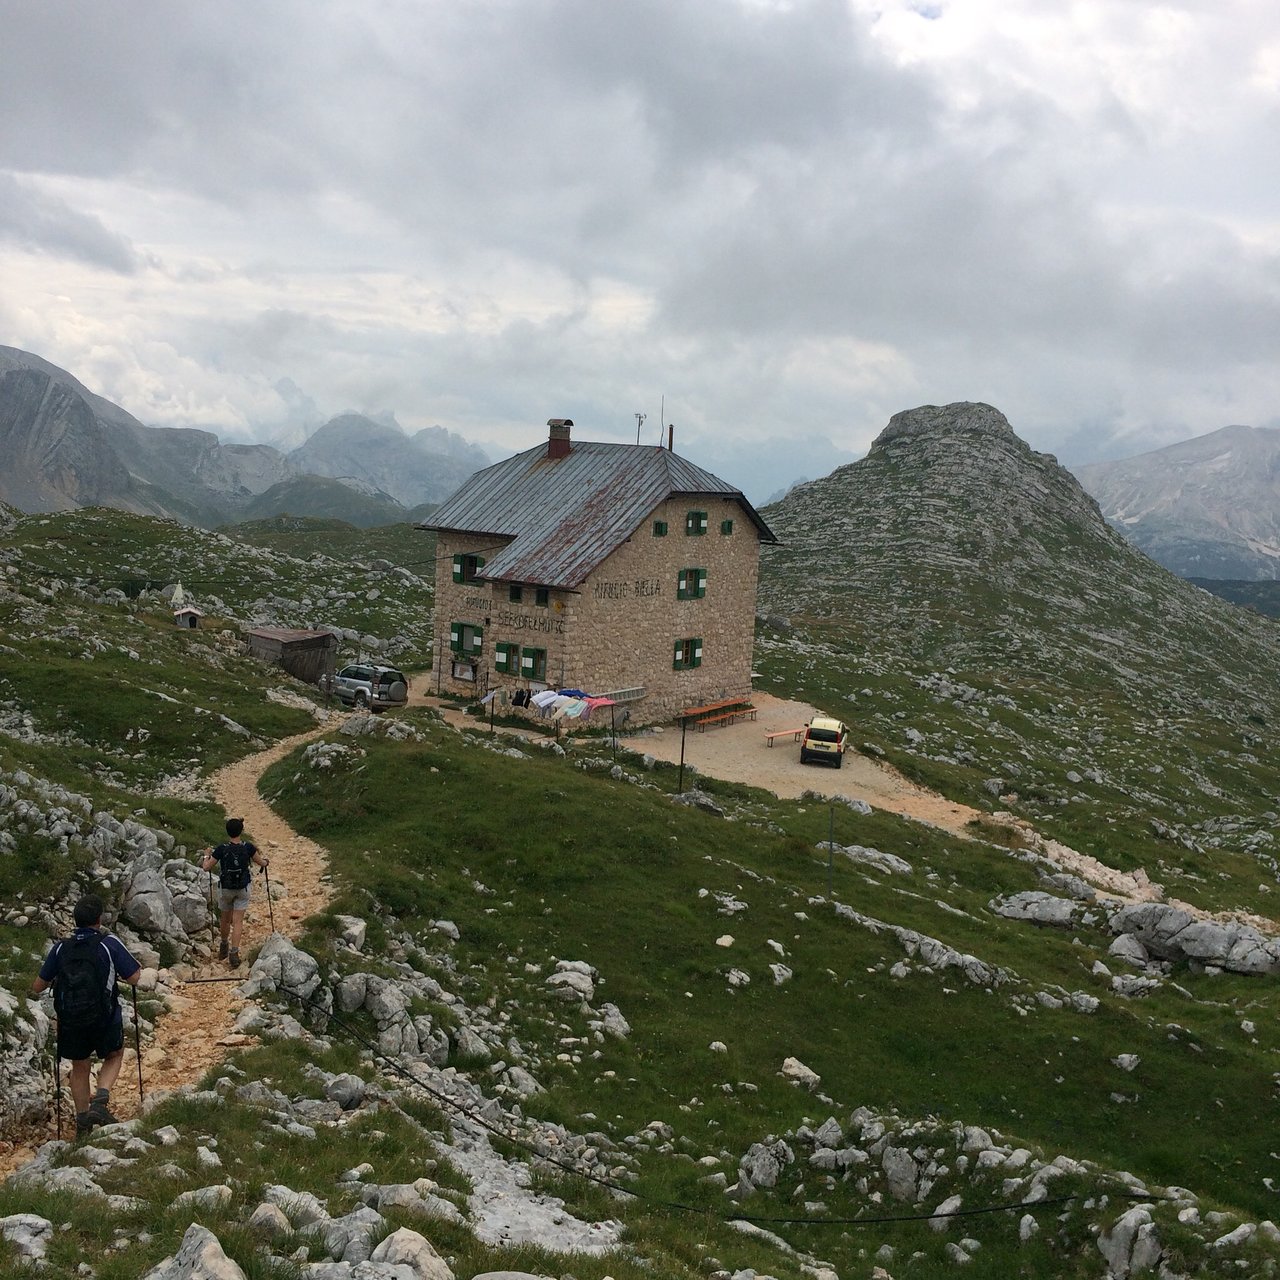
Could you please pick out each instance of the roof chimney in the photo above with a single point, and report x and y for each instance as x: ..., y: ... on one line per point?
x: 558, y: 441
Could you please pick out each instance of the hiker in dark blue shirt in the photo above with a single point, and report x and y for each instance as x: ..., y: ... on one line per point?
x: 83, y: 970
x: 234, y: 860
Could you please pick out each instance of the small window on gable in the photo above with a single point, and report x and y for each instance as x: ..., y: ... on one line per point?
x: 726, y: 527
x: 688, y: 654
x: 466, y: 566
x: 506, y: 657
x: 541, y: 596
x: 691, y: 584
x: 515, y: 593
x: 659, y: 528
x: 533, y: 664
x: 695, y: 522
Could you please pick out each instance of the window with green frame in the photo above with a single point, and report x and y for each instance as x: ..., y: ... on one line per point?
x: 533, y: 664
x: 695, y: 522
x: 691, y: 584
x: 515, y: 593
x: 688, y: 654
x: 466, y: 566
x: 506, y: 657
x: 659, y: 528
x: 466, y: 638
x: 726, y: 527
x: 541, y: 596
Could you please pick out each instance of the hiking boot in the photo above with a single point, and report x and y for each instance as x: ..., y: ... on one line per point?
x: 222, y: 949
x: 84, y: 1123
x: 234, y: 959
x: 98, y: 1114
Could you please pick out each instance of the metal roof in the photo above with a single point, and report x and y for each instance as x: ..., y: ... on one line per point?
x: 566, y: 515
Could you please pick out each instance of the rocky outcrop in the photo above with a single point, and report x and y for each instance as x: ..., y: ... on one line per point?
x: 1174, y: 934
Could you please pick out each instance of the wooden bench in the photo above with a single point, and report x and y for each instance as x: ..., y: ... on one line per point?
x: 794, y: 734
x: 725, y: 717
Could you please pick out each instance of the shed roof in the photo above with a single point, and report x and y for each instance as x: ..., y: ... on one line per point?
x: 287, y: 635
x: 566, y: 515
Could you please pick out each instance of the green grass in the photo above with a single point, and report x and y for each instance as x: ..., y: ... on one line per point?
x: 603, y: 872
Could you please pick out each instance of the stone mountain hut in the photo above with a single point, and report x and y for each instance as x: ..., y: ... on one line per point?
x: 617, y: 570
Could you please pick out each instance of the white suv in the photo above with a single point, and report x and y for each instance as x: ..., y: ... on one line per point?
x: 371, y: 688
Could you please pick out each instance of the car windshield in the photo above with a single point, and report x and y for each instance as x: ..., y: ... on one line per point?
x: 823, y: 735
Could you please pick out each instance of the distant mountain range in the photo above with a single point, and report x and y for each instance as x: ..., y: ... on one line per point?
x: 1204, y: 508
x: 62, y: 447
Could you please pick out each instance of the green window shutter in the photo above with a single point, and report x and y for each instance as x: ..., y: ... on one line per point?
x: 726, y: 526
x: 700, y: 583
x: 526, y: 662
x: 659, y: 528
x: 455, y: 636
x: 677, y: 660
x: 500, y: 657
x: 457, y: 568
x: 477, y: 639
x: 682, y: 585
x: 697, y: 653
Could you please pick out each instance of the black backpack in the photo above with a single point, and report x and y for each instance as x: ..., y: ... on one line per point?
x: 235, y: 865
x: 81, y: 995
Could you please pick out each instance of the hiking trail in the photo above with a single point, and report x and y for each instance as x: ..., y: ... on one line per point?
x: 196, y: 1032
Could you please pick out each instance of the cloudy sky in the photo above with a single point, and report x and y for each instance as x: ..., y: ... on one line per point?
x: 790, y: 218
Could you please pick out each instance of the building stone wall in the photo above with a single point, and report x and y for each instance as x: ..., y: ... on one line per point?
x: 619, y: 630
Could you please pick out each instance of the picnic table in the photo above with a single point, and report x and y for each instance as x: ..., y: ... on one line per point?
x: 723, y: 712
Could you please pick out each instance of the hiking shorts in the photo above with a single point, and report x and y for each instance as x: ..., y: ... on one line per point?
x: 233, y: 899
x: 76, y: 1043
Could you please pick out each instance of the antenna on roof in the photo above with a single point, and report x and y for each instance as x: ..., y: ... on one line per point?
x: 662, y: 413
x: 640, y: 417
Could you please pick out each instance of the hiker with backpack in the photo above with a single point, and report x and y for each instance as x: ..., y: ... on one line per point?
x: 83, y: 970
x: 234, y: 859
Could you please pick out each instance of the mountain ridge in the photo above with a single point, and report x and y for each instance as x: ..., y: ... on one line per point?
x: 1207, y: 507
x: 68, y: 447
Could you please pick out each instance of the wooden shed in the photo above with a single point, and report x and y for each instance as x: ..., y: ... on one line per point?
x: 308, y: 655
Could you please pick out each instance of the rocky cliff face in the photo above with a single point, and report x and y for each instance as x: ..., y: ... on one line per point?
x: 1208, y: 507
x: 56, y: 453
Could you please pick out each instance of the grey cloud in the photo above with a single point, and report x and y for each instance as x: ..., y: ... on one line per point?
x: 38, y: 221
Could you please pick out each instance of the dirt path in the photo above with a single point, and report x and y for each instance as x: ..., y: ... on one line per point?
x: 195, y: 1035
x: 197, y: 1031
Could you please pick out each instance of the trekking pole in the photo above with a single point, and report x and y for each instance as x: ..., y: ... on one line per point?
x: 57, y: 1082
x: 137, y: 1043
x: 271, y: 911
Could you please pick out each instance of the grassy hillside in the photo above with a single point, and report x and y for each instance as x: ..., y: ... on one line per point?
x: 311, y: 574
x: 959, y: 600
x: 972, y: 623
